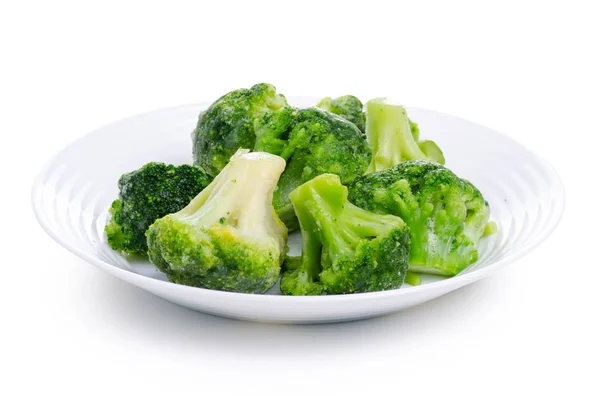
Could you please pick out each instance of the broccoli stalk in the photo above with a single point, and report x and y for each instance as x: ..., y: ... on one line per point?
x: 490, y: 228
x: 228, y: 237
x: 345, y: 249
x: 412, y: 278
x: 393, y: 137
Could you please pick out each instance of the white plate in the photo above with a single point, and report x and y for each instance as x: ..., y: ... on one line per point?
x: 72, y: 194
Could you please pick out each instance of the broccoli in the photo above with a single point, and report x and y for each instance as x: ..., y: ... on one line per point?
x: 228, y: 237
x: 432, y: 151
x: 313, y: 142
x: 147, y: 194
x: 394, y: 138
x: 272, y: 129
x: 490, y: 228
x: 228, y: 125
x: 348, y: 107
x: 345, y: 249
x: 447, y: 215
x: 412, y: 278
x: 414, y: 130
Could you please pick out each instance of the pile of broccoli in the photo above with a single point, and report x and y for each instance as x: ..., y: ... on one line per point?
x: 373, y: 201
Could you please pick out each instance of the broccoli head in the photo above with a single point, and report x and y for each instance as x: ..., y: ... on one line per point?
x: 348, y: 107
x: 228, y: 237
x: 147, y: 194
x: 447, y: 215
x: 228, y: 125
x: 345, y: 249
x: 394, y: 138
x: 313, y: 142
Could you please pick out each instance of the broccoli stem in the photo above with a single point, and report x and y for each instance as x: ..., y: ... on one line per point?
x: 389, y: 135
x: 412, y: 278
x: 237, y: 196
x: 327, y: 217
x: 432, y: 151
x: 317, y: 207
x: 490, y: 228
x: 288, y: 182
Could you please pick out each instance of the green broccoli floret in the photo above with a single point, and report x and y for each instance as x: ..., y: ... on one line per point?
x: 348, y: 107
x: 447, y: 215
x: 228, y: 125
x: 345, y: 249
x: 147, y: 194
x: 394, y: 138
x: 228, y: 237
x: 272, y: 130
x: 313, y: 142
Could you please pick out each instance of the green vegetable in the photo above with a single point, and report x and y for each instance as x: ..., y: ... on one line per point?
x: 228, y: 125
x: 414, y: 130
x: 228, y: 237
x: 490, y: 228
x: 348, y: 107
x: 345, y: 249
x: 313, y: 142
x: 412, y: 278
x: 147, y: 194
x: 447, y: 215
x: 393, y: 137
x: 272, y: 130
x: 432, y: 151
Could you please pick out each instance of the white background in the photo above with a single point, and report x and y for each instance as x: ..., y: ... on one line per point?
x: 529, y: 69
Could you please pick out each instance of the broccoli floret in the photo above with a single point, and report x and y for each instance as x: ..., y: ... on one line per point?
x: 314, y: 142
x: 272, y: 130
x: 228, y: 125
x: 348, y: 107
x: 447, y: 215
x: 228, y: 237
x: 147, y: 194
x: 345, y: 249
x: 394, y: 138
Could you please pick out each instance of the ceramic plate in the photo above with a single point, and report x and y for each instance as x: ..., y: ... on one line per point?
x: 73, y: 192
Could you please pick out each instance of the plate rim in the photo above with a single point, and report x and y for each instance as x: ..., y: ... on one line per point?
x: 140, y: 279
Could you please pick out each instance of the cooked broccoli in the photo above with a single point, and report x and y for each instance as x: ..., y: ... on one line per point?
x: 228, y: 125
x: 447, y: 215
x: 348, y: 107
x: 414, y: 130
x: 412, y: 278
x: 313, y: 142
x: 432, y: 151
x: 345, y: 249
x: 272, y: 130
x: 147, y: 194
x: 490, y: 228
x: 228, y: 237
x: 393, y: 137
